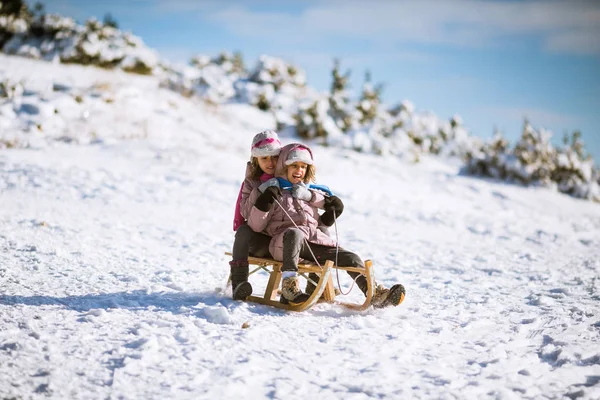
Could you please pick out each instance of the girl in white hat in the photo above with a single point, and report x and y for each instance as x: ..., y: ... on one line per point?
x: 288, y: 212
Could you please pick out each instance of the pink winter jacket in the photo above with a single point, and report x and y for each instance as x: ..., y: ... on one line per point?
x: 247, y: 197
x: 304, y: 213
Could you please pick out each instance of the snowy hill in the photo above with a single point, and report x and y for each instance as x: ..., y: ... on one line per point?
x: 114, y: 223
x: 333, y: 118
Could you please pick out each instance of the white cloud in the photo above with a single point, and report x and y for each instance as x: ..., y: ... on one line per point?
x: 564, y: 26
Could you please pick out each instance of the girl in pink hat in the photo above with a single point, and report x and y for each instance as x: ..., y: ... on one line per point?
x: 261, y: 167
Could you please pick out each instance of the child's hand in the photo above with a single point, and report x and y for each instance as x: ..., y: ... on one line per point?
x: 265, y: 200
x: 271, y: 182
x: 301, y: 193
x: 333, y: 209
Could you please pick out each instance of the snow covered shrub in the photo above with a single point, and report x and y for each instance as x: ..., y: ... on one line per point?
x: 257, y: 95
x: 535, y: 156
x: 108, y: 47
x: 231, y: 63
x: 273, y: 85
x: 574, y: 171
x: 312, y: 119
x: 328, y: 116
x: 530, y: 162
x: 212, y: 79
x: 490, y: 158
x: 455, y: 139
x: 15, y: 17
x: 422, y: 129
x: 534, y: 161
x: 51, y: 36
x: 276, y: 72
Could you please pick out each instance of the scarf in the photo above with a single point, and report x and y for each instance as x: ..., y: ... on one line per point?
x: 287, y: 185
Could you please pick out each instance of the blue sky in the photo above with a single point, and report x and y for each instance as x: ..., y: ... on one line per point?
x: 491, y: 62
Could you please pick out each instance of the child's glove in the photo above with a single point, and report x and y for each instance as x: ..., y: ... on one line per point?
x: 265, y: 200
x: 332, y: 204
x: 301, y: 192
x: 271, y: 182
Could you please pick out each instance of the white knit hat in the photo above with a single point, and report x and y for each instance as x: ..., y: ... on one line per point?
x: 299, y: 153
x: 265, y: 143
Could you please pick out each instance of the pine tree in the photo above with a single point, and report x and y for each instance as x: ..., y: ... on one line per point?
x: 310, y: 119
x: 339, y: 99
x: 573, y: 167
x: 238, y: 63
x: 536, y: 155
x: 370, y: 99
x: 110, y: 21
x: 16, y: 8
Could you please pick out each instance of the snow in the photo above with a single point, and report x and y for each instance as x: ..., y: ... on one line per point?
x: 112, y: 268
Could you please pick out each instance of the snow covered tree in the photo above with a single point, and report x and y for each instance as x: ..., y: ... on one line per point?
x: 454, y: 138
x: 370, y: 99
x: 53, y: 37
x: 109, y: 20
x: 17, y: 8
x: 535, y: 161
x: 489, y: 159
x: 530, y: 162
x: 310, y: 119
x: 238, y: 63
x: 231, y: 63
x: 574, y: 171
x: 15, y: 18
x: 535, y: 154
x: 278, y: 73
x: 339, y: 100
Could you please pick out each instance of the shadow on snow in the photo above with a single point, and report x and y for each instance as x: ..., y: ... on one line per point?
x: 176, y: 303
x: 140, y: 300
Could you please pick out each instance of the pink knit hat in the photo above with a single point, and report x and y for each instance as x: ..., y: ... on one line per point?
x: 265, y: 143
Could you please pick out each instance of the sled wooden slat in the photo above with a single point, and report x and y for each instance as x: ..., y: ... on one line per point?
x: 325, y: 287
x: 368, y: 271
x: 312, y: 300
x: 273, y: 284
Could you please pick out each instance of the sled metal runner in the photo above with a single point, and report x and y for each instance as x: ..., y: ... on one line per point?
x: 324, y: 291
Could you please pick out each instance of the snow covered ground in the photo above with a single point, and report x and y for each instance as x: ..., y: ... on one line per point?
x: 114, y: 224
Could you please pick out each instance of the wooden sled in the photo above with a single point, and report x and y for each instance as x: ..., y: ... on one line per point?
x: 324, y: 288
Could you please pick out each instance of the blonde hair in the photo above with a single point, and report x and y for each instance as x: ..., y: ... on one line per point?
x: 309, y: 176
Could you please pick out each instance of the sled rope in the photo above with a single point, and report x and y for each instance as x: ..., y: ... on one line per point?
x: 313, y: 254
x: 337, y: 271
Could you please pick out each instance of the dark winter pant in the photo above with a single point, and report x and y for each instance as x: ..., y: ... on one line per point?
x: 247, y: 242
x: 295, y: 247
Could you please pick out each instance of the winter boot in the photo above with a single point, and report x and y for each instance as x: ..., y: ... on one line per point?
x: 310, y: 286
x: 361, y: 282
x: 240, y: 286
x: 291, y: 293
x: 388, y: 297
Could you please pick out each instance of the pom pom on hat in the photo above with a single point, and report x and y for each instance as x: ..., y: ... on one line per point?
x: 265, y: 143
x: 301, y: 154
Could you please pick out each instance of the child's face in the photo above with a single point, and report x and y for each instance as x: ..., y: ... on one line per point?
x: 267, y: 164
x: 296, y: 172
